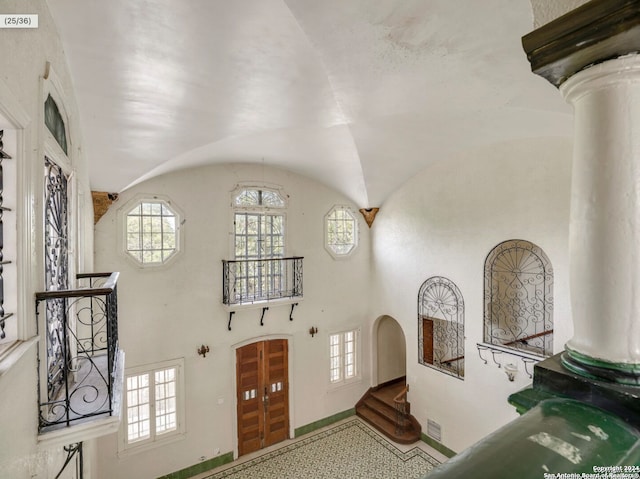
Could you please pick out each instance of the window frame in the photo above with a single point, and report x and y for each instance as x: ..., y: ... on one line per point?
x: 252, y: 276
x: 155, y: 439
x: 440, y: 302
x: 546, y: 276
x: 28, y: 212
x: 123, y: 216
x: 356, y: 376
x: 356, y: 232
x: 9, y: 248
x: 262, y: 210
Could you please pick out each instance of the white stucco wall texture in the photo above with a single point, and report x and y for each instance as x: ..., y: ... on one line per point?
x: 444, y: 222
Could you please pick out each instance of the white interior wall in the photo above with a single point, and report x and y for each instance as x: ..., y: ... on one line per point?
x: 444, y: 222
x: 23, y: 61
x: 169, y: 312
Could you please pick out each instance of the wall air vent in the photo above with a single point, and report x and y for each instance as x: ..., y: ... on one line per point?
x: 434, y: 430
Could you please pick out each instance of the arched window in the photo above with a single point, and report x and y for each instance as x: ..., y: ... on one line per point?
x: 518, y: 298
x: 55, y: 123
x: 441, y: 326
x: 259, y: 223
x: 259, y: 272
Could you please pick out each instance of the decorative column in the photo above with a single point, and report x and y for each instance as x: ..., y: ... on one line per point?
x: 604, y: 233
x: 590, y: 54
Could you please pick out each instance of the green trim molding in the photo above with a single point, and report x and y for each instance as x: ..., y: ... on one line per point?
x: 437, y: 445
x: 600, y: 369
x: 302, y: 430
x: 551, y: 378
x: 201, y: 467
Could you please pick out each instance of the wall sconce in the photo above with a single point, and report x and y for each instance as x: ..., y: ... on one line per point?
x: 313, y: 331
x: 511, y: 370
x: 203, y: 350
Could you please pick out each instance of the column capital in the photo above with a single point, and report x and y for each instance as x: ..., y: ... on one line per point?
x: 593, y: 33
x: 622, y: 71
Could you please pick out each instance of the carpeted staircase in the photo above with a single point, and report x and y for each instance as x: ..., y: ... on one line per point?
x: 386, y: 408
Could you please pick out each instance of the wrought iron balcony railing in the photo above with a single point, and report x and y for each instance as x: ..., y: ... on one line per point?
x: 81, y: 352
x: 257, y: 280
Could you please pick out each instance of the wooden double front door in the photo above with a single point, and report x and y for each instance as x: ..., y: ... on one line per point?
x: 263, y: 394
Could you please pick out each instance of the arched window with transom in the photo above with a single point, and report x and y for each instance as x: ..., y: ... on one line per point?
x: 259, y: 271
x: 518, y: 298
x: 441, y: 326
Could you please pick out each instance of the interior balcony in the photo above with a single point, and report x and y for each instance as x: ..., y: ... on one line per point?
x: 80, y: 366
x: 260, y: 283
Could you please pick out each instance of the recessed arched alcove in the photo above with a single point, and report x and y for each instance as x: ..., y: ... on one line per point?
x: 390, y: 350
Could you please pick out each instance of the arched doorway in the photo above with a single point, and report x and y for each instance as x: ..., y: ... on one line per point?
x: 391, y: 350
x: 385, y: 405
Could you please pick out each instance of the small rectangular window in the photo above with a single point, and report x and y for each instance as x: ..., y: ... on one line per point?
x: 138, y: 407
x: 343, y: 359
x: 153, y: 403
x: 165, y: 401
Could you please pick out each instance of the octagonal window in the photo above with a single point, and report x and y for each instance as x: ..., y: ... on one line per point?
x: 341, y: 231
x: 152, y: 232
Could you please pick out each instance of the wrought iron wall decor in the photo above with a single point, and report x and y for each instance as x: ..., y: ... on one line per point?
x: 56, y: 258
x: 84, y: 384
x: 441, y: 326
x: 3, y: 315
x: 518, y: 298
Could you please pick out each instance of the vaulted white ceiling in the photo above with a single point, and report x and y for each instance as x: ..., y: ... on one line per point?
x: 358, y: 94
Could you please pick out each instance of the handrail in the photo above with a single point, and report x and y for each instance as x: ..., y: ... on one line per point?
x: 448, y: 361
x: 402, y: 409
x: 401, y: 397
x: 533, y: 336
x: 107, y: 288
x: 258, y: 280
x: 260, y: 259
x: 80, y: 351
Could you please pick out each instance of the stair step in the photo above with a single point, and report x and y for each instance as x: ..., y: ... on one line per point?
x: 383, y: 397
x: 372, y: 416
x: 388, y: 426
x: 377, y: 408
x: 381, y: 408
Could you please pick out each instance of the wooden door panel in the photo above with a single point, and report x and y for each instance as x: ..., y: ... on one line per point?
x: 427, y: 340
x: 249, y: 398
x: 277, y: 414
x: 263, y: 394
